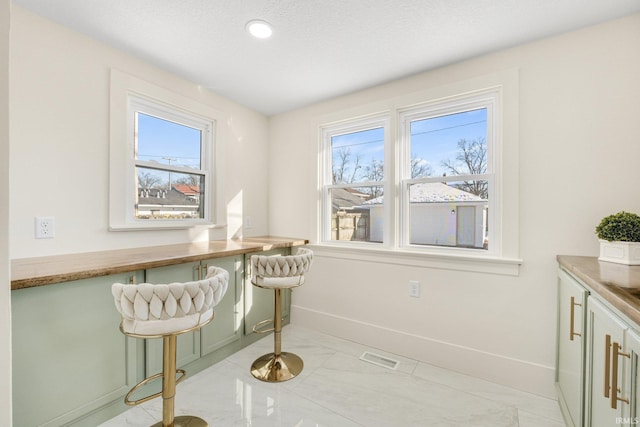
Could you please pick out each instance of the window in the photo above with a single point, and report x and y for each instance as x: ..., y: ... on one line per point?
x: 447, y: 174
x: 431, y: 189
x: 170, y: 161
x: 161, y: 157
x: 354, y: 181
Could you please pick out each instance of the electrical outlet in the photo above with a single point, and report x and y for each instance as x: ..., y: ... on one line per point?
x: 45, y: 227
x: 248, y: 222
x: 414, y: 288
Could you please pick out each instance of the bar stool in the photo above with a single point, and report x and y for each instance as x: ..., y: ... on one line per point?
x: 278, y: 273
x: 166, y: 311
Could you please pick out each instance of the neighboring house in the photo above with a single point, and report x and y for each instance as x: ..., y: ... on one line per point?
x: 347, y: 200
x: 440, y: 215
x: 191, y: 192
x: 183, y: 201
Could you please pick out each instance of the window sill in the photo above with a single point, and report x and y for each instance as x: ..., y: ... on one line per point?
x: 155, y: 226
x: 473, y: 263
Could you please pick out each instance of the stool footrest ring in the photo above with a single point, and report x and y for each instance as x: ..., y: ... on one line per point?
x: 258, y: 325
x: 146, y: 381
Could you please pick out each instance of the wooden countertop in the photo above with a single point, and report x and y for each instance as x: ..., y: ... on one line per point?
x: 30, y: 272
x: 616, y: 283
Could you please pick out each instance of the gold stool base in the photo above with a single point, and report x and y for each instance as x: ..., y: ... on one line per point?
x: 186, y: 421
x: 274, y: 369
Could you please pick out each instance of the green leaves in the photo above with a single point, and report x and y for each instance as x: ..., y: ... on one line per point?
x: 621, y: 227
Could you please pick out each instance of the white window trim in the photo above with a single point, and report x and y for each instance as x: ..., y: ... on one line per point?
x: 488, y: 98
x: 506, y: 259
x: 126, y: 89
x: 326, y: 133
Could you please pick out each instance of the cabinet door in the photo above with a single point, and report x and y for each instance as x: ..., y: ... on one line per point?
x: 69, y: 356
x: 570, y: 358
x: 188, y: 344
x: 606, y: 334
x: 225, y: 327
x: 259, y: 303
x: 631, y: 411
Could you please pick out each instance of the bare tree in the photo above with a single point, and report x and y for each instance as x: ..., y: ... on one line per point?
x: 420, y: 168
x: 470, y: 160
x: 374, y: 171
x: 343, y: 170
x: 192, y: 180
x: 348, y: 171
x: 147, y: 180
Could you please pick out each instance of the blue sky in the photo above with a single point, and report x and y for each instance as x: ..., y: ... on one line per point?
x: 433, y: 140
x: 157, y: 142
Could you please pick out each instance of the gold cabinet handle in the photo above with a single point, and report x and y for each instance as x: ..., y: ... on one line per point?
x: 572, y: 320
x: 614, y: 376
x: 607, y: 365
x: 205, y: 268
x: 132, y: 280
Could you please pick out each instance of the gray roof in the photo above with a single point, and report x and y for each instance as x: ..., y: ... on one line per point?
x: 172, y: 197
x: 344, y: 199
x: 433, y: 192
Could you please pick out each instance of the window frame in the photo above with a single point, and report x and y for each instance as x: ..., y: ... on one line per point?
x: 488, y: 99
x: 128, y: 95
x: 327, y: 132
x: 503, y: 258
x: 138, y: 104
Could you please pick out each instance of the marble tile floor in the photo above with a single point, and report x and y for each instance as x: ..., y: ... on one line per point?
x: 338, y: 389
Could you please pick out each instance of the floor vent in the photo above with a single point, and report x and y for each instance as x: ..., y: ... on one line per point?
x: 376, y: 359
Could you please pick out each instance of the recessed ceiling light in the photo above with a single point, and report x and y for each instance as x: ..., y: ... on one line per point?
x: 259, y: 29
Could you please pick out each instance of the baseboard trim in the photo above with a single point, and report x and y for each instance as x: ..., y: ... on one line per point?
x: 515, y: 373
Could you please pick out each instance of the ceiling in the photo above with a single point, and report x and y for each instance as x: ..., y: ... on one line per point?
x: 320, y: 48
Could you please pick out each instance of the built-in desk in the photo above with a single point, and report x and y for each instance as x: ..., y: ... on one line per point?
x: 72, y: 365
x: 38, y: 271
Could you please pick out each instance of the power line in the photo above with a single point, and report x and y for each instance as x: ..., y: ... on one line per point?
x: 414, y: 134
x: 447, y: 128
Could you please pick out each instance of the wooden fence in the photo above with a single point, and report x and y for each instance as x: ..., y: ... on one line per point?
x: 350, y: 226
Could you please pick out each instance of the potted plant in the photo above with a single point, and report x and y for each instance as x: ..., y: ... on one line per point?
x: 619, y: 236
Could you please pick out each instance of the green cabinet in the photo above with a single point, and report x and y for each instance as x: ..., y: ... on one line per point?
x: 606, y: 335
x: 69, y: 357
x: 570, y: 357
x: 73, y: 366
x: 614, y: 361
x: 598, y: 359
x: 225, y: 327
x: 632, y: 388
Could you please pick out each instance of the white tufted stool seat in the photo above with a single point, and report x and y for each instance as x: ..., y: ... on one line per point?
x: 278, y: 273
x: 281, y: 271
x: 165, y: 311
x: 154, y: 310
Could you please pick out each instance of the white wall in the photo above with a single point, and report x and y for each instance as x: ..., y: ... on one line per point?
x: 578, y: 161
x: 60, y: 144
x: 5, y: 268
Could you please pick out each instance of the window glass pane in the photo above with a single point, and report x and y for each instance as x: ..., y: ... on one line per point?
x: 453, y: 214
x: 167, y: 142
x: 357, y: 213
x: 358, y: 156
x: 168, y: 195
x: 449, y: 145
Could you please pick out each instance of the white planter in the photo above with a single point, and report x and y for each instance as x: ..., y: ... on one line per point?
x: 627, y: 253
